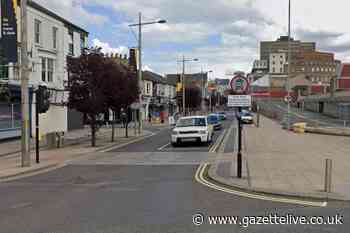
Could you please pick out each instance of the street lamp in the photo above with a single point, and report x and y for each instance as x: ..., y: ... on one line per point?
x: 183, y: 81
x: 139, y: 25
x: 203, y: 86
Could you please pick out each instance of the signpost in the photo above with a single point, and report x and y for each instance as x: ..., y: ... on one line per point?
x: 240, y: 86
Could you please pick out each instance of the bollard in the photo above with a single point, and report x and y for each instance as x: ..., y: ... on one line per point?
x: 328, y: 176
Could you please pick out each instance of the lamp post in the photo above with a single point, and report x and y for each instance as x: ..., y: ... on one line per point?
x: 203, y: 86
x: 289, y: 69
x: 184, y: 60
x: 139, y: 25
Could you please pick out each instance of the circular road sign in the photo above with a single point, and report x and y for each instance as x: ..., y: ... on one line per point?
x: 239, y: 84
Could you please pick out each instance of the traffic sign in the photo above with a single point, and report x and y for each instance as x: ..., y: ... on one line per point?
x: 239, y: 84
x: 239, y: 101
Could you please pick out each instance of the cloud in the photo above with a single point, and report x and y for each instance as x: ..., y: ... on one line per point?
x: 327, y: 40
x: 107, y: 48
x: 75, y: 11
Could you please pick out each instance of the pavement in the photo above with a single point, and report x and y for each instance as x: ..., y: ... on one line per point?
x: 282, y: 162
x: 76, y: 145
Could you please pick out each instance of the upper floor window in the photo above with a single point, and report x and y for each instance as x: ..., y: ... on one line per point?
x: 71, y: 43
x: 37, y: 31
x: 82, y: 43
x: 47, y: 69
x: 54, y: 37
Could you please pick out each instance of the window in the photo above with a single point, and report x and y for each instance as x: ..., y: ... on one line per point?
x: 37, y: 31
x: 54, y: 37
x: 281, y: 70
x: 47, y: 69
x: 71, y: 43
x: 43, y: 69
x: 273, y: 70
x: 148, y: 88
x: 4, y: 71
x: 50, y: 65
x: 82, y: 43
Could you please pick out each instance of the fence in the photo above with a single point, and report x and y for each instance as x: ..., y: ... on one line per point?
x: 10, y: 116
x: 274, y: 109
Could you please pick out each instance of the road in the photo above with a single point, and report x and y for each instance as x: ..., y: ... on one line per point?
x: 139, y: 188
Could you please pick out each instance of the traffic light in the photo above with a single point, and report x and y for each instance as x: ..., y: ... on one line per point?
x: 43, y: 99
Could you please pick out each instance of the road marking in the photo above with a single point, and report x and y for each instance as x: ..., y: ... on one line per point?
x: 161, y: 148
x: 200, y: 179
x: 127, y: 143
x: 217, y: 142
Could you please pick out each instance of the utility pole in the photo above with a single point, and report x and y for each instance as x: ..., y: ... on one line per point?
x: 24, y: 72
x: 183, y: 87
x: 140, y: 72
x: 289, y: 68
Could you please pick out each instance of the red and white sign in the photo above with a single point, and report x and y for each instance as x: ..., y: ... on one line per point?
x: 239, y: 84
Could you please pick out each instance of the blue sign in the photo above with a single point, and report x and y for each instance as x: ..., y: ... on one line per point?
x: 8, y: 29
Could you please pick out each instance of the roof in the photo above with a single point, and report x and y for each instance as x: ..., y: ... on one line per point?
x: 300, y: 80
x: 189, y: 117
x: 150, y: 76
x: 56, y: 16
x: 262, y: 82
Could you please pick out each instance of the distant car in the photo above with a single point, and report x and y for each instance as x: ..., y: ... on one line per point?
x: 213, y: 119
x: 193, y: 128
x: 247, y: 117
x: 222, y: 116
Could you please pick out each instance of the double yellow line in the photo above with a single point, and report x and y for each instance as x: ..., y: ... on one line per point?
x: 200, y: 178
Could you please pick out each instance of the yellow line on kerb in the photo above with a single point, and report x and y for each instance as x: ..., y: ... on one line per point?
x: 200, y: 179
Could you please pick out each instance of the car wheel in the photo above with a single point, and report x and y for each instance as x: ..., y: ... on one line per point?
x: 174, y: 144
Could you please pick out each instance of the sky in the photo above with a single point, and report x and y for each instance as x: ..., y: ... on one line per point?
x: 223, y: 34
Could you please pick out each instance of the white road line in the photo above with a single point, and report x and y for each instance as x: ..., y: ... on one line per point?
x: 161, y: 148
x: 200, y: 178
x: 127, y: 143
x: 218, y: 141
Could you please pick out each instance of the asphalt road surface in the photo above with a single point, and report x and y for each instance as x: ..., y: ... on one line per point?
x: 133, y: 190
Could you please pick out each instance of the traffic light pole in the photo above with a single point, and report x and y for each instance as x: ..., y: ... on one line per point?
x: 37, y: 148
x: 239, y: 154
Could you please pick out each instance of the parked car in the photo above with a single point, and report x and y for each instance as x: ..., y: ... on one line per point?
x: 222, y: 116
x: 213, y: 119
x: 174, y: 118
x: 192, y: 128
x: 247, y: 117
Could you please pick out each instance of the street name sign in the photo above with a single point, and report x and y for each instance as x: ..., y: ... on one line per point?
x: 239, y: 101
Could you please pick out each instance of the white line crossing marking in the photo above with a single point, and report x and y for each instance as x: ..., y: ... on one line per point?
x: 163, y: 147
x: 200, y: 178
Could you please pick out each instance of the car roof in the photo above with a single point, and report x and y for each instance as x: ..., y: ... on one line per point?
x: 191, y: 117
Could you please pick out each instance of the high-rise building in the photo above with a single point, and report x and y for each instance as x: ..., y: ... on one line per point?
x: 281, y: 45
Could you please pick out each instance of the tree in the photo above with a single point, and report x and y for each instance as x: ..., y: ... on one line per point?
x: 122, y: 90
x: 87, y: 83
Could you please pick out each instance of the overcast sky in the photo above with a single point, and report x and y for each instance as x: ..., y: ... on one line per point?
x: 223, y: 34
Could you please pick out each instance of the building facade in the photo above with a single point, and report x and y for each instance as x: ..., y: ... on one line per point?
x: 277, y: 63
x: 159, y: 97
x: 281, y: 45
x: 319, y: 67
x: 51, y: 39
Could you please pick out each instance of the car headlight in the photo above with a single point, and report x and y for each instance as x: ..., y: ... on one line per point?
x: 174, y: 132
x: 202, y: 132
